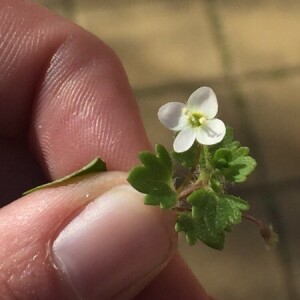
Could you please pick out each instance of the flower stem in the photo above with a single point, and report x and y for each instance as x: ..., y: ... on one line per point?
x: 208, y: 167
x: 257, y: 222
x: 191, y: 172
x: 189, y: 190
x: 266, y: 232
x: 207, y: 157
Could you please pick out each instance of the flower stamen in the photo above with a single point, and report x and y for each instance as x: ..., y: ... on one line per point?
x: 202, y: 120
x: 185, y: 111
x: 195, y: 119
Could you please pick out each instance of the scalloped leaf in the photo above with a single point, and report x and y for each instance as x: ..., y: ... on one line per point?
x: 233, y: 162
x: 154, y: 178
x: 212, y: 215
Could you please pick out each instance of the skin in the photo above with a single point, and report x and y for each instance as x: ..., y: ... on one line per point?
x: 59, y: 84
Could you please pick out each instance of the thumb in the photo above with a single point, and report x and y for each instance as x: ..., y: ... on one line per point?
x: 92, y: 239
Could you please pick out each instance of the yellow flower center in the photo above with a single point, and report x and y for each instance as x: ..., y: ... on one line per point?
x: 195, y: 119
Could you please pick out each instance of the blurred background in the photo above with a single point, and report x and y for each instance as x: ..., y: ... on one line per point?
x: 249, y: 53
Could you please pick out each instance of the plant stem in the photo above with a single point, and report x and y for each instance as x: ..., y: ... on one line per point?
x: 189, y: 190
x: 266, y: 232
x: 208, y: 167
x: 179, y: 209
x: 257, y: 222
x: 186, y: 180
x: 207, y: 157
x: 191, y: 172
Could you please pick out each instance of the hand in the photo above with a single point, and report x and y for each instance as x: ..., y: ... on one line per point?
x: 65, y: 99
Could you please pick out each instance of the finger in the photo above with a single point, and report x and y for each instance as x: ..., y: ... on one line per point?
x: 175, y: 282
x: 72, y: 92
x: 92, y: 240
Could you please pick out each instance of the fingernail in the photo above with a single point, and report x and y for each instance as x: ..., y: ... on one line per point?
x: 115, y: 242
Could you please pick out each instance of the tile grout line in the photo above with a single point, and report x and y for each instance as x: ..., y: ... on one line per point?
x: 253, y: 76
x: 268, y: 193
x: 69, y: 7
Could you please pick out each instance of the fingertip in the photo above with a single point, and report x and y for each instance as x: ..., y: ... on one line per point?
x: 176, y: 281
x: 94, y: 238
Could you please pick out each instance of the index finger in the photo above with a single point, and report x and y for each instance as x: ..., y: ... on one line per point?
x: 66, y: 91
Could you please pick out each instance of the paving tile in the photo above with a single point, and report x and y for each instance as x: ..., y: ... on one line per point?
x: 158, y: 41
x: 261, y: 34
x: 290, y: 207
x: 62, y: 7
x: 274, y: 110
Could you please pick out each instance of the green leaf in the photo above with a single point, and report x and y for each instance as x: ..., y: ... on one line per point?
x: 209, y: 219
x: 212, y: 215
x: 185, y: 223
x: 189, y: 158
x: 96, y: 165
x: 233, y: 161
x: 239, y: 202
x: 222, y: 157
x: 242, y: 166
x: 207, y: 206
x: 216, y: 183
x: 160, y: 164
x: 197, y: 229
x: 199, y: 200
x: 162, y: 195
x: 154, y: 178
x: 230, y: 208
x: 242, y: 151
x: 211, y: 237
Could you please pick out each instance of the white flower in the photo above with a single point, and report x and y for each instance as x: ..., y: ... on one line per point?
x: 195, y: 120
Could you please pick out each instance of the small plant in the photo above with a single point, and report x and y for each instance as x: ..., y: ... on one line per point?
x: 211, y: 161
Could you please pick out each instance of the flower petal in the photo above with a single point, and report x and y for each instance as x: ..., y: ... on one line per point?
x: 211, y: 132
x: 171, y: 116
x: 205, y: 101
x: 184, y: 140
